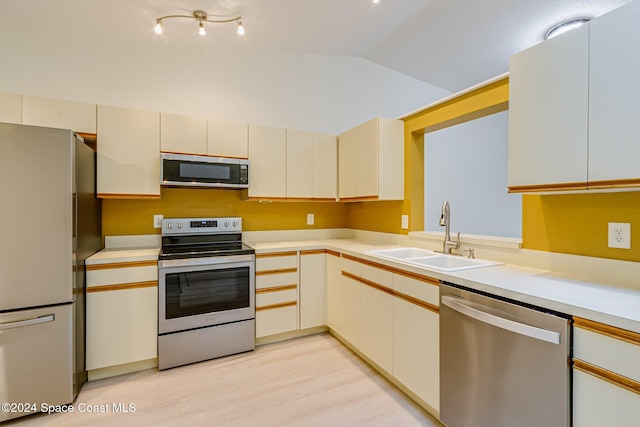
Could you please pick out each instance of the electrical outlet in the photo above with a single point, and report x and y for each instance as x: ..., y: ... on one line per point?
x: 157, y: 221
x: 620, y: 235
x: 310, y: 219
x: 405, y: 222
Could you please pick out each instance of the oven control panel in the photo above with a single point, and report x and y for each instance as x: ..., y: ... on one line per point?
x: 174, y: 226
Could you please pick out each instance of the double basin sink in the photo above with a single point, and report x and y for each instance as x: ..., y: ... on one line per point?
x: 430, y: 259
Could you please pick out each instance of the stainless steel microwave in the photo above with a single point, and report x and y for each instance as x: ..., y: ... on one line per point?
x: 184, y: 170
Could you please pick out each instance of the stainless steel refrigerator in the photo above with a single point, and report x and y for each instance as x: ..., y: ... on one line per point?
x: 50, y: 219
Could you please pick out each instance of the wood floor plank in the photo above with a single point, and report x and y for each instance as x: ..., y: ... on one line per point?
x: 310, y: 381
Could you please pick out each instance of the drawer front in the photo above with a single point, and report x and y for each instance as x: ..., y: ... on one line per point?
x: 276, y: 321
x: 115, y: 276
x: 379, y: 276
x: 418, y: 289
x: 607, y: 352
x: 266, y: 262
x: 276, y: 297
x: 350, y: 266
x: 274, y: 280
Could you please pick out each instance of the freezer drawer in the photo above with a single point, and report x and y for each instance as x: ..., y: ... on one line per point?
x: 36, y: 358
x: 502, y: 364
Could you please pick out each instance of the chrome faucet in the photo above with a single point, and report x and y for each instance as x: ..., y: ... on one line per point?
x: 445, y: 221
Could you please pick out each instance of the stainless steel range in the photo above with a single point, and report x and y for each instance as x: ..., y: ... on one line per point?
x: 206, y: 291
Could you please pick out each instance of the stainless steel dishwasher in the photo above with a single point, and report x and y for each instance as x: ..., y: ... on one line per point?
x: 502, y: 364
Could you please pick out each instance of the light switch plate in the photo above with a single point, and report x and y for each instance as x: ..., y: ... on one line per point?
x: 310, y: 219
x: 157, y: 221
x: 405, y: 222
x: 620, y: 235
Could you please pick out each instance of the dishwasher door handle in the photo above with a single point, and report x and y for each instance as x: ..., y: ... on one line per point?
x: 501, y: 322
x: 28, y: 322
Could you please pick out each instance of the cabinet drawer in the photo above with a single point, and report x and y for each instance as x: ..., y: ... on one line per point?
x: 606, y: 347
x: 424, y: 291
x: 350, y: 266
x: 276, y: 296
x: 115, y: 276
x: 273, y: 280
x: 270, y: 262
x: 276, y: 320
x: 376, y: 275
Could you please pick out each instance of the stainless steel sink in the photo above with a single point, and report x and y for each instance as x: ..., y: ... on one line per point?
x: 429, y: 259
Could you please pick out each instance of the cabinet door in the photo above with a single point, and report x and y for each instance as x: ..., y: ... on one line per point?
x: 391, y: 155
x: 313, y: 289
x: 416, y: 358
x: 128, y: 153
x: 614, y: 67
x: 598, y: 403
x: 121, y: 326
x: 268, y: 156
x: 334, y: 292
x: 376, y: 323
x: 10, y: 108
x: 325, y: 166
x: 299, y: 164
x: 548, y: 113
x: 183, y: 134
x: 367, y: 159
x: 56, y: 113
x: 228, y: 139
x: 347, y: 175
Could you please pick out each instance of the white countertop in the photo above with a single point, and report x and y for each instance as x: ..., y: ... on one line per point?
x: 115, y: 255
x: 560, y: 292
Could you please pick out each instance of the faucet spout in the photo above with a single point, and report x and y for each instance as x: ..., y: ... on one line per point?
x: 445, y: 221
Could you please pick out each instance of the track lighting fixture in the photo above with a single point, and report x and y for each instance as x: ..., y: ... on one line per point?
x: 201, y: 17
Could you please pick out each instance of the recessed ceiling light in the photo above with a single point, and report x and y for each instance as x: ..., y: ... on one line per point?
x: 565, y: 26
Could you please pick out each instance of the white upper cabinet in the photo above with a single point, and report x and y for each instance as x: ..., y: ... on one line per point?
x: 183, y: 134
x: 299, y: 164
x: 56, y: 113
x: 228, y: 139
x: 10, y: 108
x: 128, y: 163
x: 371, y: 161
x: 614, y: 89
x: 347, y: 175
x: 268, y: 157
x: 548, y: 113
x: 325, y: 166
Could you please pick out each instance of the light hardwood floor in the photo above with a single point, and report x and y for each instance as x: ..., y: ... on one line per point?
x: 310, y: 381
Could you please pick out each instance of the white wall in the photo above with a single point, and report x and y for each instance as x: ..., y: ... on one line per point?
x: 309, y: 92
x: 466, y: 165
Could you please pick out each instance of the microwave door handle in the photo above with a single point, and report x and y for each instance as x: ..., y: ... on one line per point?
x: 28, y: 322
x: 501, y: 322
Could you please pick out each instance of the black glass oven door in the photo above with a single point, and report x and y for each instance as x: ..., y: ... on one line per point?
x: 191, y: 293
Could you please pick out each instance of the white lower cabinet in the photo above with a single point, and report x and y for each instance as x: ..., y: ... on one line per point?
x: 606, y: 375
x: 122, y: 314
x: 376, y: 325
x: 313, y: 288
x: 416, y: 355
x: 276, y: 293
x: 391, y: 317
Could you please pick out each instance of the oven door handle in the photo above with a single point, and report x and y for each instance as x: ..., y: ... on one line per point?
x: 218, y: 260
x: 501, y: 322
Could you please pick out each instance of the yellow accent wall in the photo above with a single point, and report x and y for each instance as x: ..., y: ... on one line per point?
x: 578, y: 223
x: 125, y: 217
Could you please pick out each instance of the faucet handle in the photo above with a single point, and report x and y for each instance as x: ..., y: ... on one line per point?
x: 472, y: 253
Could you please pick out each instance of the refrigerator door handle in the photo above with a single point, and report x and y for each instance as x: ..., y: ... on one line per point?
x: 500, y: 322
x: 28, y: 322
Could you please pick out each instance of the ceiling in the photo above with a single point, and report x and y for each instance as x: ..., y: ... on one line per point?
x: 452, y: 44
